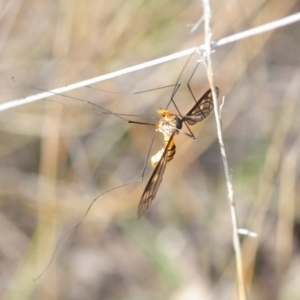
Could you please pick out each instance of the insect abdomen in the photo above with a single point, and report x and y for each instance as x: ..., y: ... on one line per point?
x: 170, y: 153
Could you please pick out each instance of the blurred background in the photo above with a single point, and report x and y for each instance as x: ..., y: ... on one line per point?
x: 57, y: 156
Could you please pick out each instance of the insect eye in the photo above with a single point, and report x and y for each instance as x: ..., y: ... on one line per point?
x: 163, y: 114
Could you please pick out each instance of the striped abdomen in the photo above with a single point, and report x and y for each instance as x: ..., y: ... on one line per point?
x: 170, y: 153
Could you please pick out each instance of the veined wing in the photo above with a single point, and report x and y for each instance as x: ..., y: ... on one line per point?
x: 154, y: 182
x: 201, y: 109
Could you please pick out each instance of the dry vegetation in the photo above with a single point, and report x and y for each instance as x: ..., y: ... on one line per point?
x: 55, y: 159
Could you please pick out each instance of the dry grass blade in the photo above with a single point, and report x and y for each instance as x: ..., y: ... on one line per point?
x: 235, y: 226
x: 226, y: 40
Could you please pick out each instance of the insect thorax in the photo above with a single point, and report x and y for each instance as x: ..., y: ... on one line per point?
x: 168, y: 123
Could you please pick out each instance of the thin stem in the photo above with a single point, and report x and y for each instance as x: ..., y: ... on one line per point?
x: 258, y: 30
x: 226, y: 40
x: 209, y: 70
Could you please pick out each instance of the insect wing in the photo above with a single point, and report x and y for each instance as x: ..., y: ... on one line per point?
x: 154, y: 182
x: 201, y: 109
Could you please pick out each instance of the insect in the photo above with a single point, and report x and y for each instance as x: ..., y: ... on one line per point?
x: 170, y: 125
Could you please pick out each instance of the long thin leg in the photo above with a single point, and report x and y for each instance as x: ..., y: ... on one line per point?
x: 188, y: 83
x: 75, y: 98
x: 141, y: 123
x: 176, y: 88
x: 191, y: 135
x: 105, y: 112
x: 134, y: 93
x: 177, y: 82
x: 90, y: 206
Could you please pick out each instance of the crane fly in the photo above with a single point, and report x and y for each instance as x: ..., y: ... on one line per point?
x: 170, y: 125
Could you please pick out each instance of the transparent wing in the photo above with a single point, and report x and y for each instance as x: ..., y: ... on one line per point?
x: 154, y: 182
x: 201, y: 109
